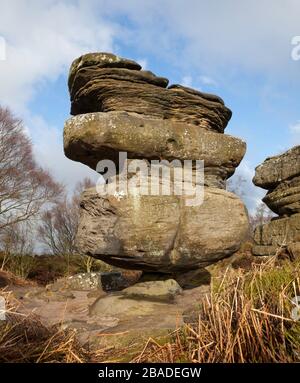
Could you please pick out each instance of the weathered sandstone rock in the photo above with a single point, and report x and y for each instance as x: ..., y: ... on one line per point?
x: 103, y: 83
x: 276, y: 234
x: 84, y: 75
x: 160, y: 233
x: 92, y: 137
x: 119, y: 306
x: 81, y: 281
x: 101, y: 60
x: 278, y: 168
x: 117, y: 108
x: 186, y: 280
x: 285, y: 198
x: 164, y: 291
x: 281, y: 175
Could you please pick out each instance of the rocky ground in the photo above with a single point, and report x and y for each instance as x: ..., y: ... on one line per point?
x: 94, y: 317
x: 106, y: 319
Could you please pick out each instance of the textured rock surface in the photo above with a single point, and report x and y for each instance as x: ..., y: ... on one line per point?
x: 161, y: 233
x: 165, y: 291
x: 101, y: 60
x: 276, y: 234
x: 119, y: 107
x: 92, y: 137
x: 277, y: 169
x: 285, y: 198
x: 104, y: 82
x: 82, y: 281
x: 279, y: 231
x: 130, y: 324
x: 281, y: 175
x: 116, y: 305
x: 186, y: 280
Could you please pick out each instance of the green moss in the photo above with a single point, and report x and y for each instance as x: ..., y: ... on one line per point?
x: 265, y: 285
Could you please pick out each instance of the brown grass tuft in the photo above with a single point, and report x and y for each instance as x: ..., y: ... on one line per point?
x: 247, y: 318
x: 24, y: 338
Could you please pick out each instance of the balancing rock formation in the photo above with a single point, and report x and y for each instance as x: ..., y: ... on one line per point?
x: 118, y: 107
x: 280, y: 175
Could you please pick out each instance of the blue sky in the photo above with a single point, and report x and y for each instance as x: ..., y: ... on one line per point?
x: 239, y: 50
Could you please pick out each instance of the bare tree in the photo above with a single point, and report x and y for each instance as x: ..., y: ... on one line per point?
x: 18, y: 248
x: 24, y: 186
x: 237, y: 185
x: 261, y: 216
x: 59, y: 224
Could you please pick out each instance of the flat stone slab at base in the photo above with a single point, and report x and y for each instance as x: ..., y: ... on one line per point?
x: 186, y: 280
x: 165, y: 291
x: 138, y: 318
x: 122, y: 307
x: 113, y: 321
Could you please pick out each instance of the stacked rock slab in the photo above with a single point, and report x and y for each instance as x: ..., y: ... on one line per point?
x: 280, y: 175
x: 118, y: 107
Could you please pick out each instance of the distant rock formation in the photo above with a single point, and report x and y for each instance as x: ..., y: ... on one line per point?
x: 280, y: 175
x: 118, y: 107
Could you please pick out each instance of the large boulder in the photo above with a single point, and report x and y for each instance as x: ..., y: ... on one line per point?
x: 160, y: 227
x: 92, y: 137
x: 160, y: 233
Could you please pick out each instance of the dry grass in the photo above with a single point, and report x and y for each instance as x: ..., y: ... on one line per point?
x: 247, y: 318
x: 7, y: 278
x: 24, y: 338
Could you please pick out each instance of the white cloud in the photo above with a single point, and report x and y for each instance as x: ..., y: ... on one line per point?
x: 295, y: 133
x: 48, y: 150
x: 143, y: 63
x: 206, y: 80
x: 295, y: 128
x: 187, y: 81
x: 2, y: 49
x: 213, y: 38
x: 231, y: 35
x: 42, y: 39
x: 241, y: 183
